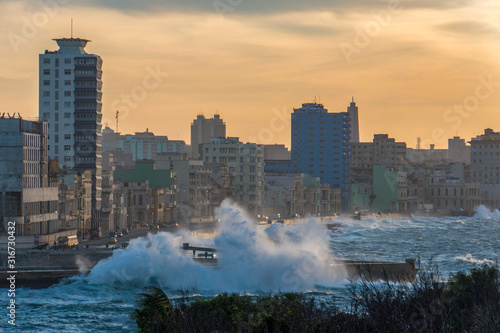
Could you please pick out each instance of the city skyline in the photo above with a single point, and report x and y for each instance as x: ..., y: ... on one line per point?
x: 253, y: 63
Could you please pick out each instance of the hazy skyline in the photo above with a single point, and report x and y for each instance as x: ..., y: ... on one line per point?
x: 412, y: 63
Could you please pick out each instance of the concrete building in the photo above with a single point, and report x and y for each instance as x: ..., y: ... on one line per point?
x: 299, y: 194
x: 448, y: 192
x: 194, y: 187
x: 140, y: 146
x: 382, y: 151
x: 276, y: 152
x: 485, y: 166
x: 26, y: 197
x: 321, y: 146
x: 151, y: 193
x: 352, y: 110
x: 458, y: 150
x: 70, y: 93
x: 203, y: 129
x: 431, y: 156
x: 107, y: 217
x: 245, y: 162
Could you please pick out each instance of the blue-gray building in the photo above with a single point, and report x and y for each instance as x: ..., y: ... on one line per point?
x: 321, y: 146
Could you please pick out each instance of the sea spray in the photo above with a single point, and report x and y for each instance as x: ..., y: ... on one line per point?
x: 250, y: 258
x: 482, y: 212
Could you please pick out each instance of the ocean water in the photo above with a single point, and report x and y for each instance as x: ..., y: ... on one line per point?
x: 253, y: 259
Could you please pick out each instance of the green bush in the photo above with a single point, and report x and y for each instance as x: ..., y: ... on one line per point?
x: 468, y: 302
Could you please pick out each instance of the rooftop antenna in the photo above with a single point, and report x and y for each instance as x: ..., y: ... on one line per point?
x: 71, y: 28
x: 117, y: 113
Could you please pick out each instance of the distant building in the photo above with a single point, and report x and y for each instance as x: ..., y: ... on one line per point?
x: 245, y: 162
x: 194, y: 187
x: 321, y: 146
x: 150, y: 193
x: 299, y: 194
x: 458, y: 150
x: 383, y: 151
x: 352, y: 110
x: 203, y: 129
x: 427, y: 156
x: 26, y: 197
x: 448, y: 192
x: 276, y: 152
x: 140, y: 146
x: 485, y: 166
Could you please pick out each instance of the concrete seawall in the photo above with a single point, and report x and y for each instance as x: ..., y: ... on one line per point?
x: 43, y: 268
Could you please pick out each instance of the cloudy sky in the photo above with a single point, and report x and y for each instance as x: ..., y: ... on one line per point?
x: 416, y: 68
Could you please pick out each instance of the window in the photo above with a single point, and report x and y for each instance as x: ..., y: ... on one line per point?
x: 46, y: 104
x: 67, y: 82
x: 46, y: 82
x: 46, y: 61
x: 67, y: 72
x: 67, y: 158
x: 67, y: 104
x: 46, y: 94
x: 67, y: 147
x: 67, y: 136
x: 67, y: 60
x: 46, y: 72
x: 67, y: 115
x: 67, y: 93
x: 67, y: 126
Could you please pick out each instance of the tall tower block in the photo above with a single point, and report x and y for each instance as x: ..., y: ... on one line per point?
x: 353, y: 113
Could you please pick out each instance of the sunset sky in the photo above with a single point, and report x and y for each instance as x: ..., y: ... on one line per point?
x: 406, y: 63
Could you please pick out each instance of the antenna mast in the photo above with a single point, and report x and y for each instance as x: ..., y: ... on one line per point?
x: 117, y: 113
x: 71, y: 28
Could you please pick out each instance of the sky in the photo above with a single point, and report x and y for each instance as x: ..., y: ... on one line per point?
x: 416, y: 68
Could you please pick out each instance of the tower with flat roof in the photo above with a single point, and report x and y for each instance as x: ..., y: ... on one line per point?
x: 70, y: 94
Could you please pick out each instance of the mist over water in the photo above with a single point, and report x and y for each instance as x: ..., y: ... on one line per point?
x: 251, y: 258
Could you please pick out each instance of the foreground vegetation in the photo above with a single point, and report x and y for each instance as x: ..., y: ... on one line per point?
x: 468, y: 302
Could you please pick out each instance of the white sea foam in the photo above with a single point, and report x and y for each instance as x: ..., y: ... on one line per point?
x: 468, y: 258
x: 292, y: 257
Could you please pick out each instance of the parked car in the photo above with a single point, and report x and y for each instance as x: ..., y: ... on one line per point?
x: 154, y: 226
x: 112, y: 240
x: 112, y: 234
x: 119, y: 234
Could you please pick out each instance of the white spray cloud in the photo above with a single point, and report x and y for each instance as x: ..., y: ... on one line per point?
x: 250, y: 258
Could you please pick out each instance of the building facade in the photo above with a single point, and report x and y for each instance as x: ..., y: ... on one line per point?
x: 321, y: 146
x: 203, y: 129
x: 140, y: 146
x: 382, y: 151
x: 245, y: 162
x: 26, y: 196
x: 485, y: 166
x: 70, y: 94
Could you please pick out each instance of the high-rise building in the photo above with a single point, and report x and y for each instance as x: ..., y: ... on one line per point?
x: 353, y: 113
x: 203, y: 129
x: 70, y: 92
x: 321, y: 145
x: 27, y: 198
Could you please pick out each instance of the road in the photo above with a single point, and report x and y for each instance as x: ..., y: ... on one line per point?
x: 133, y: 233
